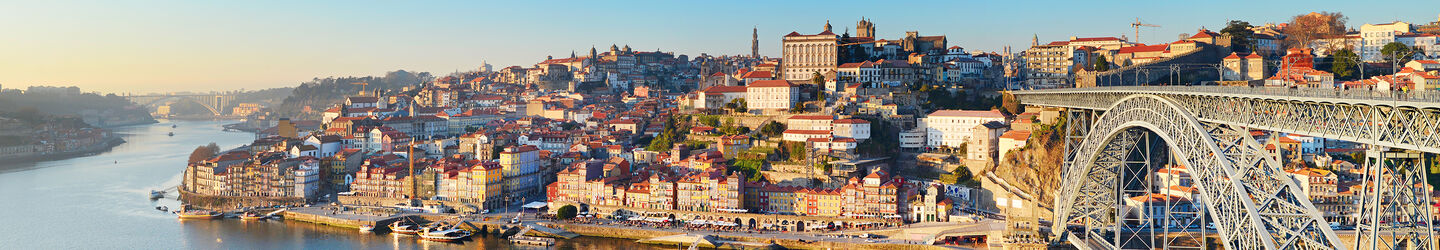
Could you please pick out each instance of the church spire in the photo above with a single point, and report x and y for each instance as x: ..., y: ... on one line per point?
x: 1035, y: 41
x: 827, y: 25
x: 755, y: 42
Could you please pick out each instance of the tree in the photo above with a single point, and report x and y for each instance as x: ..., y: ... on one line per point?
x: 710, y: 120
x: 202, y: 153
x: 1101, y: 64
x: 1009, y: 104
x: 566, y: 212
x: 737, y: 105
x: 819, y: 81
x: 772, y: 129
x: 1394, y: 51
x: 1344, y: 63
x: 1307, y: 27
x: 1240, y: 35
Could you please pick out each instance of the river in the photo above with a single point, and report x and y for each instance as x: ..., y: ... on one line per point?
x: 100, y: 202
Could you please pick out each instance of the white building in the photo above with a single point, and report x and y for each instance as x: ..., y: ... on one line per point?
x: 771, y: 95
x: 852, y: 128
x: 951, y: 128
x: 804, y: 55
x: 1012, y: 140
x: 985, y: 142
x: 1373, y: 37
x: 810, y: 122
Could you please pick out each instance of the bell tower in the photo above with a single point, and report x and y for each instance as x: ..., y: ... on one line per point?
x: 755, y: 42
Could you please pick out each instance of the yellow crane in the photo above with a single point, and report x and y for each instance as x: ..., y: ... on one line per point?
x: 362, y: 86
x: 1137, y: 24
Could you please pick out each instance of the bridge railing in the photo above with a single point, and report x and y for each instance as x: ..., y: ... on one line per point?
x: 1353, y: 94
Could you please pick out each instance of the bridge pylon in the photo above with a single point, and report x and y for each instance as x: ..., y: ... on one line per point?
x: 1394, y: 212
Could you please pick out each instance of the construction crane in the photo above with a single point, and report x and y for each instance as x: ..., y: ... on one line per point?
x: 1137, y: 24
x: 362, y: 86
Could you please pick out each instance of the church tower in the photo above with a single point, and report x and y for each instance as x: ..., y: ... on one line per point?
x: 827, y: 25
x: 592, y: 53
x: 755, y: 42
x: 1035, y: 41
x: 864, y: 28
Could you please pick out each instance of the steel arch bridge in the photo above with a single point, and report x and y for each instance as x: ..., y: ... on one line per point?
x: 1114, y: 136
x: 216, y: 104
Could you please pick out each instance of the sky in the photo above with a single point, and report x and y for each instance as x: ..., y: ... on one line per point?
x: 146, y: 46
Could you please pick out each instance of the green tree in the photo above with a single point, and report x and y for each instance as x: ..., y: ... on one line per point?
x: 1344, y: 63
x: 567, y: 212
x: 772, y: 129
x: 1240, y: 35
x: 737, y: 105
x: 819, y: 81
x: 710, y: 120
x: 1101, y: 64
x: 796, y: 150
x: 1396, y: 51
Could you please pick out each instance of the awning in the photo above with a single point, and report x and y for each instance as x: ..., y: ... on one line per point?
x: 733, y: 210
x: 636, y: 218
x: 698, y: 222
x: 535, y: 205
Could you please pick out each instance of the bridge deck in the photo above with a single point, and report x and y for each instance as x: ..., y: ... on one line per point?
x: 1419, y: 99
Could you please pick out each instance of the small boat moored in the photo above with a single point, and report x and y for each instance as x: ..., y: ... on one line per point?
x: 367, y: 228
x: 252, y: 216
x: 198, y: 214
x: 404, y: 227
x: 445, y: 235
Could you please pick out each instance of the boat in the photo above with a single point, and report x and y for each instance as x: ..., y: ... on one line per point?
x: 404, y: 227
x: 174, y: 125
x: 156, y: 194
x: 198, y: 214
x: 172, y: 133
x: 445, y: 235
x: 162, y: 208
x: 367, y: 228
x: 252, y: 216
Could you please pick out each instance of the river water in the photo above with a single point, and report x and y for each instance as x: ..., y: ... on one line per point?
x: 101, y: 202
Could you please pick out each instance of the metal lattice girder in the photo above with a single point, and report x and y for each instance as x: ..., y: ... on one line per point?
x: 1395, y: 211
x: 1255, y: 206
x: 1361, y: 117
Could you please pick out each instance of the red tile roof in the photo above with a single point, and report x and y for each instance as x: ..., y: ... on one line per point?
x: 770, y: 83
x: 759, y: 74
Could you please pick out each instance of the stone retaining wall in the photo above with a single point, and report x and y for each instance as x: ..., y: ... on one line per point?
x: 220, y: 202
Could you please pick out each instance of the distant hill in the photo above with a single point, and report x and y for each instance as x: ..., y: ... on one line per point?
x: 95, y: 109
x: 321, y: 93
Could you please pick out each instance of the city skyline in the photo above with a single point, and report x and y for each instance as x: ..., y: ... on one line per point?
x: 128, y: 47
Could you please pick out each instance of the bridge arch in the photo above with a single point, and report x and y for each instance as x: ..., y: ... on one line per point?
x: 1253, y: 203
x: 216, y: 104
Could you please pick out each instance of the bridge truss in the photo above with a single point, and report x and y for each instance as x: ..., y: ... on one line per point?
x: 216, y: 104
x: 1110, y: 143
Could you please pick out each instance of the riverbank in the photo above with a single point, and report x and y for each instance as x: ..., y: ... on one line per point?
x: 97, y: 148
x: 729, y: 240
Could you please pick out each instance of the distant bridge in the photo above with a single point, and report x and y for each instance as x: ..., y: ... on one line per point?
x: 1110, y: 134
x: 216, y: 104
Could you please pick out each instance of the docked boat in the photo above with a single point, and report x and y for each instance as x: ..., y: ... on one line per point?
x: 367, y: 228
x: 156, y: 194
x: 446, y: 235
x: 252, y: 216
x: 162, y: 208
x: 198, y: 214
x: 172, y: 133
x: 404, y: 227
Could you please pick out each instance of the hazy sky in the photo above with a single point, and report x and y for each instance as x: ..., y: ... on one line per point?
x: 144, y: 46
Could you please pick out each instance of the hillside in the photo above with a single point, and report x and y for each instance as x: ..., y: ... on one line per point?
x: 1036, y: 167
x: 320, y: 93
x: 71, y: 102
